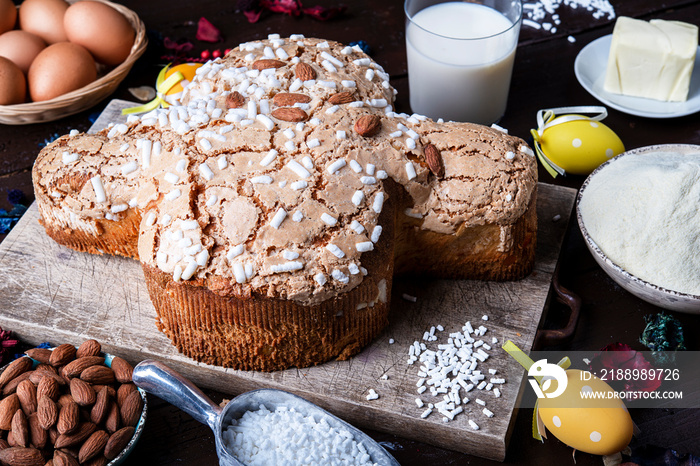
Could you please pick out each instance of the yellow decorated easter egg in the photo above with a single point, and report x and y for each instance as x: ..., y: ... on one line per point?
x: 579, y: 146
x: 587, y: 416
x: 188, y: 70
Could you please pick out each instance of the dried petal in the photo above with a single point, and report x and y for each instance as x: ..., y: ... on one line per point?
x: 324, y: 14
x: 207, y: 32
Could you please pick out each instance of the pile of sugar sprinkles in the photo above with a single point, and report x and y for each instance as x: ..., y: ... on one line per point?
x: 452, y: 370
x: 542, y: 14
x: 287, y: 437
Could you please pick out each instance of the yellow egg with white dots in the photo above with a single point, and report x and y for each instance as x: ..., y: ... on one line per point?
x: 579, y: 146
x: 188, y: 71
x: 587, y: 416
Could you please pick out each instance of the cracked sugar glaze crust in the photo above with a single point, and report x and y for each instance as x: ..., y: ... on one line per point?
x: 261, y: 180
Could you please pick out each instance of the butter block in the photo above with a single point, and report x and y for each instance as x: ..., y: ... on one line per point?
x: 651, y: 59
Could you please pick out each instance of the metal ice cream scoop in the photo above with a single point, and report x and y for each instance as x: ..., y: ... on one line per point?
x: 163, y: 382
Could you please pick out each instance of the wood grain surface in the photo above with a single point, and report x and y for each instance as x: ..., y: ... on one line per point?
x: 52, y: 293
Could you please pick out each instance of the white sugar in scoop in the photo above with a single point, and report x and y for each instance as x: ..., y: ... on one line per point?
x: 265, y: 426
x: 286, y: 436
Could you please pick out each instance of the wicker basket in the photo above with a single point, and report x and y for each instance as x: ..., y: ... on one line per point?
x: 85, y: 97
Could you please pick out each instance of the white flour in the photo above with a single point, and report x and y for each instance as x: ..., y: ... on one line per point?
x: 642, y: 211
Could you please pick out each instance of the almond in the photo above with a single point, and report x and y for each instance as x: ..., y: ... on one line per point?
x: 11, y: 386
x: 434, y: 160
x: 304, y: 72
x: 130, y: 411
x: 113, y: 423
x: 98, y: 375
x: 38, y: 435
x: 77, y: 366
x: 4, y: 444
x: 93, y: 446
x: 97, y: 461
x: 8, y: 408
x: 62, y: 354
x: 68, y: 418
x: 110, y: 389
x: 53, y: 435
x: 122, y: 369
x: 11, y: 439
x: 47, y: 411
x: 117, y: 441
x: 235, y: 100
x: 293, y: 114
x: 61, y: 458
x: 82, y: 392
x: 267, y: 63
x: 46, y: 368
x: 123, y: 391
x: 83, y: 431
x: 65, y: 399
x: 288, y: 99
x: 26, y: 392
x: 48, y: 387
x: 37, y: 375
x: 19, y: 456
x: 20, y: 429
x: 342, y: 98
x: 101, y: 407
x: 88, y: 348
x: 15, y: 368
x: 41, y: 355
x: 368, y: 125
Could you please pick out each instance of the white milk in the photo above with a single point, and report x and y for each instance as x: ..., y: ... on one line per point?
x: 462, y: 74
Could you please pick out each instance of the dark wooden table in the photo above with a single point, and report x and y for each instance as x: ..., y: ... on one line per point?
x: 543, y: 77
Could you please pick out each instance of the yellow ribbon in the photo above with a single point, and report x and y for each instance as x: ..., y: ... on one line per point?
x: 548, y: 165
x: 527, y: 362
x: 162, y: 87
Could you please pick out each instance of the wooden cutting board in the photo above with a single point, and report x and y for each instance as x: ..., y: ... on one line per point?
x: 52, y: 293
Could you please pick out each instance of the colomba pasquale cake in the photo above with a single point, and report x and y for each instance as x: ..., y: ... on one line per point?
x: 271, y: 205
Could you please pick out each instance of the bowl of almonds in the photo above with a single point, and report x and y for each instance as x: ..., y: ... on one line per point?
x: 68, y: 405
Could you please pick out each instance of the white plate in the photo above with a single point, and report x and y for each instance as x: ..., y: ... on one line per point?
x: 590, y: 66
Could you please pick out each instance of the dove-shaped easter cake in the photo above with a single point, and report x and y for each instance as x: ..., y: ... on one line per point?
x: 273, y: 202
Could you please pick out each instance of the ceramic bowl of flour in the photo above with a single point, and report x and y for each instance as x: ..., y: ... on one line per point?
x: 639, y: 218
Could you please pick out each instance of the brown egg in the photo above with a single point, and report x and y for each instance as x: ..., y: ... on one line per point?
x: 101, y: 29
x: 58, y: 69
x: 21, y: 47
x: 13, y: 87
x: 44, y: 18
x: 8, y: 15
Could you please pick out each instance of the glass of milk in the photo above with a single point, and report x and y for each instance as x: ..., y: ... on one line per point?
x: 460, y: 57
